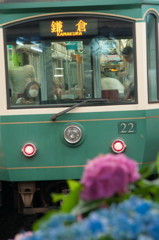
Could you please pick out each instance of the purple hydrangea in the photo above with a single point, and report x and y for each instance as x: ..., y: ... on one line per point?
x: 108, y: 174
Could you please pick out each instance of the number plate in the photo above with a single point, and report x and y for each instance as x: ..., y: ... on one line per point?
x: 127, y: 127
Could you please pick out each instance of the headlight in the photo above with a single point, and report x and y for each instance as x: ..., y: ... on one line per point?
x: 72, y: 134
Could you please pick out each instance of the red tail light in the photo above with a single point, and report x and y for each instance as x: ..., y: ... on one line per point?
x: 29, y: 149
x: 118, y: 146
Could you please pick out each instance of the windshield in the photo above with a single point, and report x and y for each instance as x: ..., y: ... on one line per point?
x: 61, y: 61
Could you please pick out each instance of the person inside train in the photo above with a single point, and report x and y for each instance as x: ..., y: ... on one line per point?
x: 32, y: 94
x: 58, y: 88
x: 110, y: 86
x: 128, y: 57
x: 127, y: 74
x: 21, y: 74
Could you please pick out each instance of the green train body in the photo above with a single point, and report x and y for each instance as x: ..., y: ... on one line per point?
x: 84, y: 39
x: 55, y: 159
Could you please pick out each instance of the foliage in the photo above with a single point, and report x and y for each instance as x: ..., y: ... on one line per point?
x: 112, y: 201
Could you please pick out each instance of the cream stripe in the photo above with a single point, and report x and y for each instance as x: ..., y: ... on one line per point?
x: 34, y: 111
x: 141, y: 51
x: 110, y: 108
x: 3, y: 103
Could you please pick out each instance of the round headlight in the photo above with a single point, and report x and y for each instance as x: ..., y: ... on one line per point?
x: 72, y: 134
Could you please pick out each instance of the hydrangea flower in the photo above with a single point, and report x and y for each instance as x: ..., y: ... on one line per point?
x: 104, y: 176
x: 108, y: 174
x: 124, y: 221
x: 19, y: 236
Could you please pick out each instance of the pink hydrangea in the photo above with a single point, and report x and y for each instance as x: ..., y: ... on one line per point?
x: 21, y: 236
x: 108, y: 174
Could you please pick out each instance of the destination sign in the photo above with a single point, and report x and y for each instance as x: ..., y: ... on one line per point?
x: 68, y: 28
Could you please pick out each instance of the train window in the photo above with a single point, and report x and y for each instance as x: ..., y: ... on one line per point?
x: 152, y: 57
x: 61, y: 61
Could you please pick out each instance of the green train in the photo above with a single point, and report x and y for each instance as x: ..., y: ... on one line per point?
x: 77, y: 79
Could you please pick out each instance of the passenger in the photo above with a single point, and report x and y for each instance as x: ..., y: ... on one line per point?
x: 129, y: 58
x: 58, y: 88
x: 32, y: 94
x: 109, y: 83
x: 128, y: 73
x: 21, y: 74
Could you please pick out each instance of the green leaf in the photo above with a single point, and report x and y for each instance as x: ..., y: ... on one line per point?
x: 56, y: 197
x: 147, y: 170
x: 85, y: 207
x: 72, y: 199
x: 73, y: 184
x: 148, y: 189
x: 155, y: 182
x: 157, y: 163
x: 107, y: 237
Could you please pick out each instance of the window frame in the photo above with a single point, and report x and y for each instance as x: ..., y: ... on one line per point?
x: 70, y: 104
x: 157, y: 55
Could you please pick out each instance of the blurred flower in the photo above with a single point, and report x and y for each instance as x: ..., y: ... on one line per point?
x: 87, y: 219
x: 106, y: 175
x: 25, y: 235
x: 122, y: 221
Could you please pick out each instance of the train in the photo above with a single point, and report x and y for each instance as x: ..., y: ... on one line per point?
x: 77, y: 79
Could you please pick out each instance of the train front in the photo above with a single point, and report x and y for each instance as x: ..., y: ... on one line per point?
x: 71, y: 86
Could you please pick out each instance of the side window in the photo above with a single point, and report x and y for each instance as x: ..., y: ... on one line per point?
x: 151, y: 22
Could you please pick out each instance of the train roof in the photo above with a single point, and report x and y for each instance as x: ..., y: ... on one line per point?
x: 13, y: 10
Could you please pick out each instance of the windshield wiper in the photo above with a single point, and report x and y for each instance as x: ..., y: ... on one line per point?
x: 53, y: 118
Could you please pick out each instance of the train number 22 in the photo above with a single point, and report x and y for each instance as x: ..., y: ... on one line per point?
x: 127, y: 127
